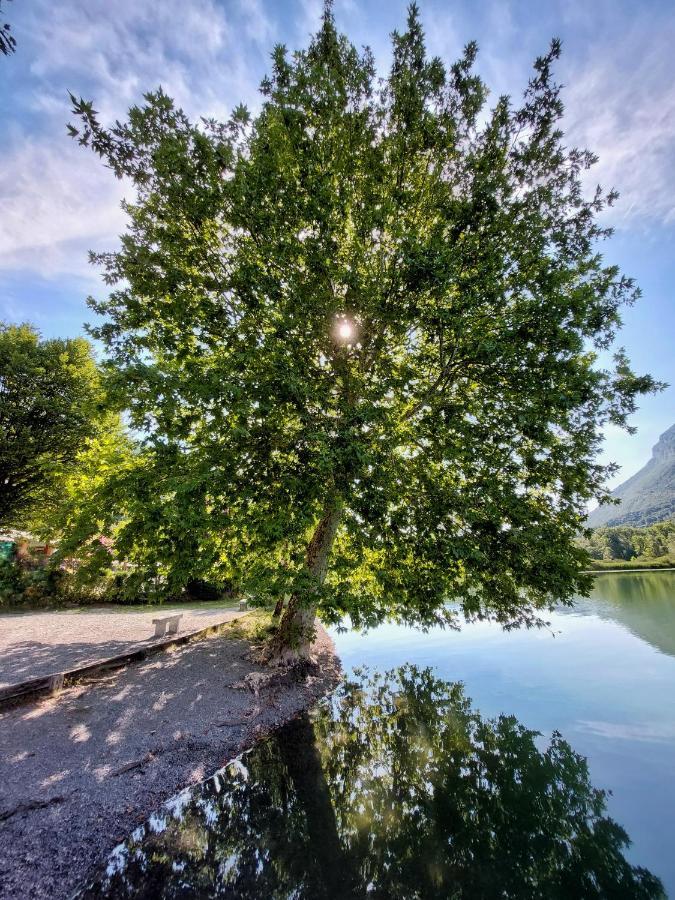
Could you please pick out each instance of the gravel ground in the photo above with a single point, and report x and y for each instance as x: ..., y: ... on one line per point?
x: 79, y: 772
x: 34, y: 644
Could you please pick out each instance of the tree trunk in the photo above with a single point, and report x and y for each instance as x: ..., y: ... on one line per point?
x: 279, y: 607
x: 293, y: 641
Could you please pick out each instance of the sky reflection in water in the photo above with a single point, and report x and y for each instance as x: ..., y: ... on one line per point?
x: 604, y: 676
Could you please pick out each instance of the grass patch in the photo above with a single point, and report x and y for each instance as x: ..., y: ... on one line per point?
x: 638, y: 562
x: 256, y: 626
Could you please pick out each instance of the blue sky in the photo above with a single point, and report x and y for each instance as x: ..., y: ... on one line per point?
x: 57, y: 201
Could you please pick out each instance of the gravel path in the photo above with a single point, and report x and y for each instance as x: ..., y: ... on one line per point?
x: 34, y: 644
x: 79, y: 773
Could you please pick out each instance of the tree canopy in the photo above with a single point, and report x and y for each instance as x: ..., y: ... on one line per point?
x: 359, y: 333
x: 51, y: 403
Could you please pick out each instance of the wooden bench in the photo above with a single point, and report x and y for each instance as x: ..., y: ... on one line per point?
x: 168, y: 623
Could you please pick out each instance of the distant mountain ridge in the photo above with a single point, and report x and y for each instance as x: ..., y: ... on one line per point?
x: 649, y: 495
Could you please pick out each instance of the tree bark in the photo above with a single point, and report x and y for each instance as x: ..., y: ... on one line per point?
x: 293, y: 641
x: 279, y: 607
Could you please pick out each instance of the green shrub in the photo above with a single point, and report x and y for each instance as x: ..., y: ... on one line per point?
x: 11, y: 582
x: 38, y: 586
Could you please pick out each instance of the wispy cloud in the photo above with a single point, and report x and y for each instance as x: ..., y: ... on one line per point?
x: 644, y: 732
x: 57, y: 199
x: 621, y: 105
x: 618, y: 72
x: 57, y: 202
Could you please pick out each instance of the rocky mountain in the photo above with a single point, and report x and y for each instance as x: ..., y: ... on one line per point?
x: 649, y: 495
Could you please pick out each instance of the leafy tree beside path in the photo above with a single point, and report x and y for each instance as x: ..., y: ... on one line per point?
x: 51, y: 406
x: 359, y: 333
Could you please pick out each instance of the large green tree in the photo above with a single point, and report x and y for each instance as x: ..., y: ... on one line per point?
x: 360, y: 332
x: 51, y: 403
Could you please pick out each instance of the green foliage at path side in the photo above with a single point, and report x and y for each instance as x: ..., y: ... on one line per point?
x: 374, y: 305
x: 256, y: 626
x: 52, y: 405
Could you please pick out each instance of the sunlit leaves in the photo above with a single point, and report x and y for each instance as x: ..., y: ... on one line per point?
x: 51, y: 405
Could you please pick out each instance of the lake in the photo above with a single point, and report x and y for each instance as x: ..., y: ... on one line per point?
x: 432, y: 781
x: 604, y: 676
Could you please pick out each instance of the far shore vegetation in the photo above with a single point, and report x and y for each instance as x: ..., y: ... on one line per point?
x: 633, y: 565
x: 624, y: 547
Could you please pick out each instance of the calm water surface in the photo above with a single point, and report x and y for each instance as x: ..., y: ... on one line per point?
x: 411, y: 784
x: 604, y: 676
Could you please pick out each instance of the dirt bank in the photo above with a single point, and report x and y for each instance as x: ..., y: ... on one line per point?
x: 78, y: 773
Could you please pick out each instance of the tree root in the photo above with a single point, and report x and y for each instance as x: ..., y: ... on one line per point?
x: 133, y: 765
x: 282, y: 675
x: 28, y: 807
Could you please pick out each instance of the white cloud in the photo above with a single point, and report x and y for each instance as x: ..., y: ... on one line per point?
x: 621, y: 105
x: 124, y: 49
x: 58, y: 200
x: 258, y: 26
x: 618, y: 72
x: 310, y: 17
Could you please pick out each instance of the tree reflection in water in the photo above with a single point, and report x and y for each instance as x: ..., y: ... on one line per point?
x: 393, y: 788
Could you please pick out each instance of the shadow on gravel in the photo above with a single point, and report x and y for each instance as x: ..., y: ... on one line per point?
x: 79, y: 773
